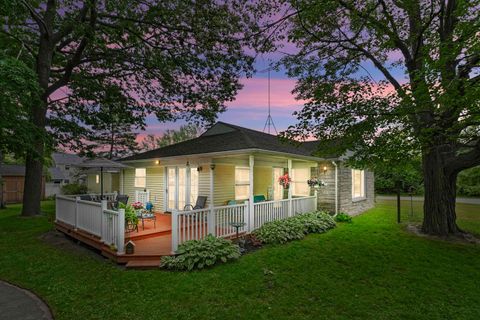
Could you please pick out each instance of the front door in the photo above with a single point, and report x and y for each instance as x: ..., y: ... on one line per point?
x: 182, y: 187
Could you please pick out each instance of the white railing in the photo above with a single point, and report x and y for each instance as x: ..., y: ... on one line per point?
x: 89, y: 217
x: 304, y: 204
x: 270, y: 211
x: 96, y: 196
x: 226, y: 215
x: 113, y: 228
x: 94, y: 218
x: 196, y: 224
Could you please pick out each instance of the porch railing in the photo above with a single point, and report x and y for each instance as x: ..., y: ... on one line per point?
x: 94, y: 218
x: 196, y: 224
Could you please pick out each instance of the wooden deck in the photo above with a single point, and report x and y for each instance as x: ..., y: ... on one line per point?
x: 151, y: 242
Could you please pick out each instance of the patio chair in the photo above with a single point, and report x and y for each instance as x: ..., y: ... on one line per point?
x: 200, y: 204
x: 148, y: 215
x: 86, y: 197
x: 258, y: 198
x: 121, y: 198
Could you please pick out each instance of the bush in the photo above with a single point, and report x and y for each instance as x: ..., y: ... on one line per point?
x: 198, y: 254
x: 343, y: 217
x: 294, y: 228
x: 74, y: 188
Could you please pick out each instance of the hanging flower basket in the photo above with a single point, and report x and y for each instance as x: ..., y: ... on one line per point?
x: 316, y: 183
x: 285, y: 181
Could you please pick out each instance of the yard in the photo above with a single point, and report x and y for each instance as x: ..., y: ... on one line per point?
x: 370, y: 269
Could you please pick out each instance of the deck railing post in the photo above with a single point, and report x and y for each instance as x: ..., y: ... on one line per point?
x: 175, y: 234
x: 315, y: 201
x: 76, y: 212
x: 102, y: 223
x: 289, y: 164
x: 250, y: 213
x: 121, y: 232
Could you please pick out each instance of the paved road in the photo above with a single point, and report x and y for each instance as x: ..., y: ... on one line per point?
x: 17, y: 303
x: 420, y: 198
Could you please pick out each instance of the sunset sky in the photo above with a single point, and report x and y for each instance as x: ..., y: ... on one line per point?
x: 250, y: 108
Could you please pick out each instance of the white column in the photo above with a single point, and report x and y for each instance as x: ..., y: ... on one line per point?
x: 251, y: 204
x: 290, y: 213
x: 174, y: 231
x: 211, y: 213
x: 121, y: 232
x: 315, y: 202
x: 76, y: 212
x: 121, y: 182
x: 104, y: 207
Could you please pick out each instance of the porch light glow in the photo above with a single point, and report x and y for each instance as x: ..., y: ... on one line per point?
x: 324, y: 169
x: 157, y: 161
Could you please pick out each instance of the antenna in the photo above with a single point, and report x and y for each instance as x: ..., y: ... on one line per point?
x: 269, y: 123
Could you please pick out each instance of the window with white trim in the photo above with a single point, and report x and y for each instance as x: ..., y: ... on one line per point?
x: 140, y: 177
x: 358, y: 184
x: 242, y: 183
x: 299, y: 183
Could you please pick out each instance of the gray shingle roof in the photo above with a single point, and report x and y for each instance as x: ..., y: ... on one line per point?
x: 12, y: 170
x: 224, y: 137
x: 56, y: 173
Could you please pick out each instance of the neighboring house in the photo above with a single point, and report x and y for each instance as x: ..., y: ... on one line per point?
x: 63, y: 172
x: 13, y: 177
x: 229, y: 164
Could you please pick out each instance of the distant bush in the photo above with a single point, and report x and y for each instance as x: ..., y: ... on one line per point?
x: 74, y: 188
x: 294, y: 228
x: 199, y: 254
x: 343, y: 217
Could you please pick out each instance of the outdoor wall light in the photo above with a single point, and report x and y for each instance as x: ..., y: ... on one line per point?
x: 324, y: 169
x: 199, y: 169
x: 157, y: 161
x: 212, y: 166
x: 188, y: 164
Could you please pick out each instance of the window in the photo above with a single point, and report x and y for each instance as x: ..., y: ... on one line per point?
x: 140, y: 178
x: 67, y: 167
x: 97, y: 179
x: 358, y: 184
x: 242, y: 183
x: 299, y: 183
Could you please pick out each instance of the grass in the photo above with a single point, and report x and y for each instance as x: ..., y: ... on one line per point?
x: 369, y: 269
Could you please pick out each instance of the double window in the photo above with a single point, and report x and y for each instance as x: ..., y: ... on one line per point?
x: 358, y: 184
x: 242, y: 183
x: 140, y: 178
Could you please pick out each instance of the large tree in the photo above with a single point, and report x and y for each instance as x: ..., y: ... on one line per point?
x: 373, y: 70
x: 171, y: 136
x: 179, y: 58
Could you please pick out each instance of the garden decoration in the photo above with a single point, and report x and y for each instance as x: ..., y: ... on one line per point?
x: 285, y: 180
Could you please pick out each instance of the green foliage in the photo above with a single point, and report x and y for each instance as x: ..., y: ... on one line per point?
x: 343, y: 217
x: 199, y: 254
x: 130, y: 213
x: 74, y: 188
x: 294, y: 228
x: 468, y: 182
x: 184, y: 133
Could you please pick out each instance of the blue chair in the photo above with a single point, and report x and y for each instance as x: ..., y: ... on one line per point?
x: 258, y: 198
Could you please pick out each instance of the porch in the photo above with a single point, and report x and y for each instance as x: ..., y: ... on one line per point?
x: 93, y: 224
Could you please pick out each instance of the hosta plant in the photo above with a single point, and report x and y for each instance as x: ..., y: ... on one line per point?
x: 343, y: 217
x: 199, y: 254
x: 315, y: 222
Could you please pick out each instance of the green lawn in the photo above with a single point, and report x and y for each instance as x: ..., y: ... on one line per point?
x: 370, y: 269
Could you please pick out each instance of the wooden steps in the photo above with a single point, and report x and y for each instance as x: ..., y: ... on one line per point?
x: 143, y: 264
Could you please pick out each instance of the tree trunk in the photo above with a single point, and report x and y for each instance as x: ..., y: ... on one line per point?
x: 440, y: 195
x: 2, y: 201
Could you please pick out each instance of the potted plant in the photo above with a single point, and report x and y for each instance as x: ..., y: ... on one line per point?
x: 316, y: 183
x: 285, y: 180
x: 138, y: 206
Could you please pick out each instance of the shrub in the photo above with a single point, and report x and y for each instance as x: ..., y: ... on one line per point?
x: 74, y: 188
x: 294, y: 228
x: 198, y: 254
x: 343, y: 217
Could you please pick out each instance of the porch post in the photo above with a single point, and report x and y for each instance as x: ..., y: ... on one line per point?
x: 121, y: 232
x: 121, y: 182
x: 211, y: 215
x: 174, y: 231
x: 251, y: 204
x: 76, y: 212
x: 315, y: 202
x: 104, y: 207
x: 290, y: 213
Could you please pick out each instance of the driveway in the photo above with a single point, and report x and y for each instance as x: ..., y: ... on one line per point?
x: 17, y: 303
